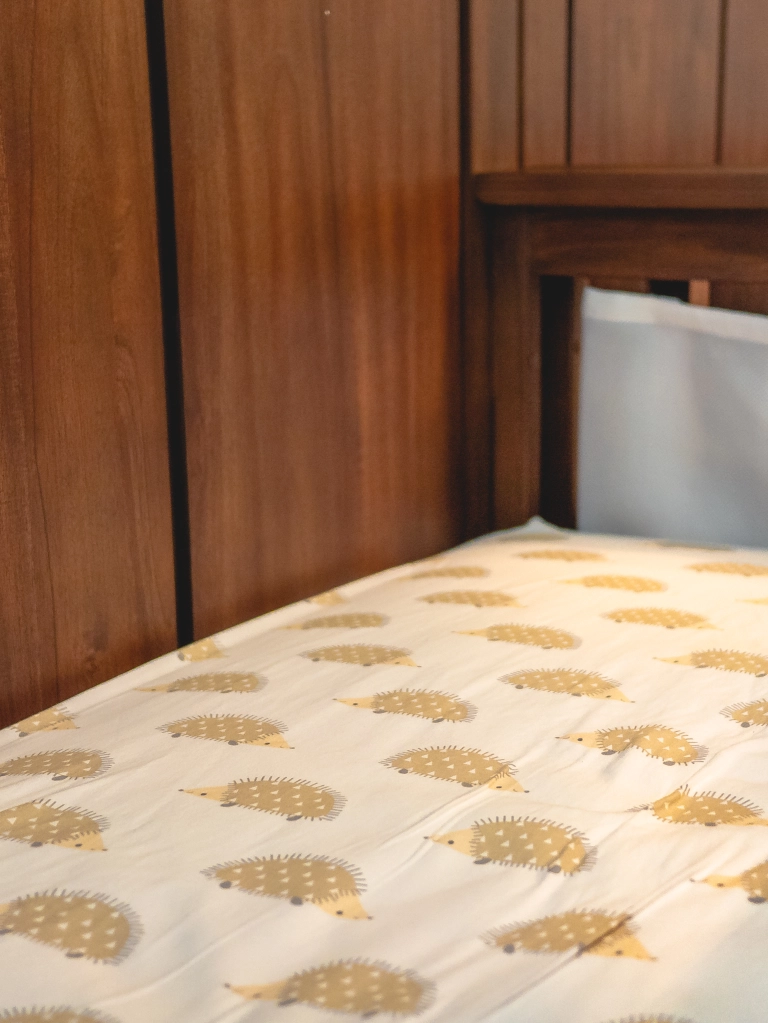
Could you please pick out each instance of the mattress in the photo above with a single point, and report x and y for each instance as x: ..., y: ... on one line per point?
x: 522, y: 781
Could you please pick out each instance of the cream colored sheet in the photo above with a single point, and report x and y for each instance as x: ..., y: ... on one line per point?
x: 524, y: 781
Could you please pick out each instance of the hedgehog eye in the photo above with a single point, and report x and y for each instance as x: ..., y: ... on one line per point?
x: 450, y: 841
x: 339, y: 912
x: 619, y: 952
x: 579, y: 740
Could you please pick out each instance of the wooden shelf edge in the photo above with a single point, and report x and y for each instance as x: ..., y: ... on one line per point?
x: 705, y: 188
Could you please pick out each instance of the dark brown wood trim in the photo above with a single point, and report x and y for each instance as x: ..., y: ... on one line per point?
x: 706, y: 188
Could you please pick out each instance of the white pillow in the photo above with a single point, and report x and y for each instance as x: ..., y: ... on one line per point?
x: 673, y: 420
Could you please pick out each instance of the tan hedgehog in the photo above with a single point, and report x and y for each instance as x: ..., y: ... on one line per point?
x: 707, y: 808
x: 69, y: 764
x: 230, y: 728
x: 753, y: 881
x: 354, y: 620
x: 77, y: 923
x: 522, y: 842
x: 665, y: 617
x: 748, y: 714
x: 479, y: 598
x: 633, y: 583
x: 566, y: 680
x: 331, y: 885
x: 467, y: 767
x: 288, y: 797
x: 350, y: 986
x: 527, y: 635
x: 723, y: 660
x: 59, y: 1014
x: 43, y: 823
x: 211, y: 682
x: 730, y: 568
x: 666, y: 744
x: 362, y: 654
x: 327, y: 599
x: 53, y: 720
x: 417, y: 703
x: 563, y: 554
x: 452, y: 572
x: 202, y: 650
x: 588, y: 932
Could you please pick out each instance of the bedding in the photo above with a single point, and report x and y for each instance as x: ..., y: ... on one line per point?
x: 522, y: 781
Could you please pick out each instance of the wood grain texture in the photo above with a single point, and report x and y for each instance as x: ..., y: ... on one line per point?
x: 722, y: 188
x: 745, y: 82
x: 516, y: 339
x: 316, y: 163
x: 645, y: 82
x: 545, y: 83
x: 670, y: 246
x: 745, y: 298
x: 86, y: 554
x: 494, y: 84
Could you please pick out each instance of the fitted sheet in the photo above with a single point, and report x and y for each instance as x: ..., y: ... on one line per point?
x: 522, y: 781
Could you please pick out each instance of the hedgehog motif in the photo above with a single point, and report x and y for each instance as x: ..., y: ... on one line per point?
x: 53, y: 720
x: 77, y: 923
x: 707, y: 808
x: 351, y: 985
x: 565, y: 680
x: 468, y: 767
x: 723, y: 660
x: 362, y: 654
x: 230, y: 728
x: 668, y: 618
x: 354, y: 620
x: 522, y: 842
x: 452, y: 572
x: 202, y: 650
x: 480, y: 598
x: 296, y: 800
x: 60, y: 1014
x: 416, y: 703
x: 730, y: 567
x: 653, y: 1019
x: 588, y: 932
x: 331, y: 885
x: 70, y: 764
x: 563, y: 554
x: 746, y: 714
x: 327, y: 599
x: 43, y: 823
x: 211, y: 682
x: 633, y: 583
x: 754, y: 882
x: 658, y: 741
x: 527, y: 635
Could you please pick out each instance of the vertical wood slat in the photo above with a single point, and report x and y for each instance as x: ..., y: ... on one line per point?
x: 495, y: 73
x: 515, y: 327
x: 545, y: 82
x: 86, y: 554
x: 560, y: 370
x: 745, y: 100
x: 645, y: 82
x: 316, y: 168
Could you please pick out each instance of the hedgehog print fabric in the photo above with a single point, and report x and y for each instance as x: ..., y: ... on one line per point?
x: 522, y: 781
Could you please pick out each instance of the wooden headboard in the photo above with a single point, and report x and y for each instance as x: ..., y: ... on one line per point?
x: 552, y: 232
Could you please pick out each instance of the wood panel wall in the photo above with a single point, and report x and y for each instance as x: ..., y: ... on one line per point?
x: 316, y: 169
x: 619, y: 82
x: 85, y: 531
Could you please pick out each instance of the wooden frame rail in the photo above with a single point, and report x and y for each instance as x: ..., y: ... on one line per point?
x: 550, y: 233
